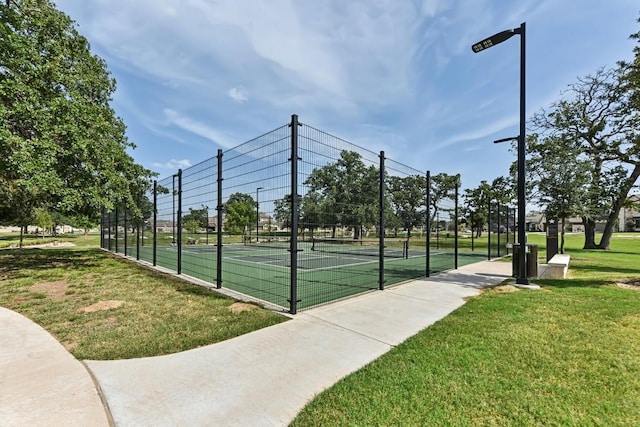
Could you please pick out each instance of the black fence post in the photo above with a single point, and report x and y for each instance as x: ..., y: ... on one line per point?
x: 173, y: 209
x: 155, y: 222
x: 455, y: 225
x: 220, y: 211
x: 179, y: 221
x: 473, y: 231
x: 293, y: 249
x: 428, y: 222
x: 381, y: 227
x: 438, y: 230
x: 499, y: 227
x: 514, y: 228
x: 116, y: 229
x: 126, y: 252
x: 489, y: 231
x: 507, y: 236
x: 138, y: 221
x: 102, y: 227
x: 109, y: 233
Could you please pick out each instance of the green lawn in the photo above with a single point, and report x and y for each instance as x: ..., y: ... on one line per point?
x: 103, y: 307
x: 568, y: 354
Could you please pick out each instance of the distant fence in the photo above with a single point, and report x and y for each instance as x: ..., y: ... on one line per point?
x: 297, y: 218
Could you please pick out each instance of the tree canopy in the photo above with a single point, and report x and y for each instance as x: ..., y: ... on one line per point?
x: 64, y: 149
x: 348, y: 190
x: 240, y: 212
x: 196, y: 219
x: 596, y: 124
x: 407, y: 197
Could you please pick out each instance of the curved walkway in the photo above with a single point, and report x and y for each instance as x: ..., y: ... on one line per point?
x: 263, y: 378
x: 41, y: 384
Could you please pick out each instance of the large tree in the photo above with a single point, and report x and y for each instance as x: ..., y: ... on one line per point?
x: 196, y: 219
x: 63, y: 147
x: 475, y: 206
x: 348, y: 190
x: 596, y: 118
x: 240, y: 212
x: 561, y: 181
x: 407, y: 196
x: 442, y: 194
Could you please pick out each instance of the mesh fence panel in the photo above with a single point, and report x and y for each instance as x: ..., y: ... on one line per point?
x: 442, y: 245
x: 405, y: 220
x: 257, y: 182
x: 499, y: 228
x: 166, y: 223
x: 145, y: 252
x: 119, y: 231
x: 199, y: 199
x: 338, y: 188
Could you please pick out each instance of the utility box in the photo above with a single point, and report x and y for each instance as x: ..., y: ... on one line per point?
x: 552, y: 237
x: 531, y: 260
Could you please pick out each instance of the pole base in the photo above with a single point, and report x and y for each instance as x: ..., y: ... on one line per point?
x: 529, y: 286
x: 523, y: 283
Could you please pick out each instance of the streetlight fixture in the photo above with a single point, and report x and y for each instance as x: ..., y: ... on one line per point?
x: 521, y: 278
x: 257, y: 211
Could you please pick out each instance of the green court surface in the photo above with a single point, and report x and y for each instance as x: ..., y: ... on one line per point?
x: 265, y: 273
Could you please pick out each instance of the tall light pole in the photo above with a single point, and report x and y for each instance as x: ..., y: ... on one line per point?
x: 257, y: 211
x: 521, y: 278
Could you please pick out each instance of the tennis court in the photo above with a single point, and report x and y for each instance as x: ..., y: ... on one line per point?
x: 330, y: 273
x: 361, y: 221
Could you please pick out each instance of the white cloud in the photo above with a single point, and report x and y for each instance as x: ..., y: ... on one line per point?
x: 173, y: 164
x: 482, y: 132
x: 389, y: 75
x: 238, y: 95
x: 190, y: 125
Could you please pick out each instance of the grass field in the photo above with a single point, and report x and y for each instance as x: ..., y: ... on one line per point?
x: 103, y: 307
x: 568, y: 354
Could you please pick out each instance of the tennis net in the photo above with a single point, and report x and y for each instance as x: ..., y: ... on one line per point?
x: 392, y: 248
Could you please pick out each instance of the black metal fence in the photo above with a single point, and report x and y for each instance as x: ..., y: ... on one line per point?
x: 297, y: 218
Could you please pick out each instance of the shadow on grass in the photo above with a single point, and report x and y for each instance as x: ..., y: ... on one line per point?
x: 42, y: 259
x: 570, y: 283
x: 605, y: 269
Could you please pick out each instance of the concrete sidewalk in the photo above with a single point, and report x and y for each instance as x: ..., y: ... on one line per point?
x: 41, y: 384
x: 267, y: 376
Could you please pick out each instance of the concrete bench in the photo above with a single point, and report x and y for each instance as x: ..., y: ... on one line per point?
x: 557, y: 267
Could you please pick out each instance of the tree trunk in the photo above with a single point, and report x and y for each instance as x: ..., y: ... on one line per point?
x: 589, y: 233
x: 356, y: 232
x: 21, y: 235
x: 562, y: 237
x: 615, y: 209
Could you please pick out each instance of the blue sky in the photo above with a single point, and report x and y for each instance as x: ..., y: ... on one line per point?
x: 395, y: 75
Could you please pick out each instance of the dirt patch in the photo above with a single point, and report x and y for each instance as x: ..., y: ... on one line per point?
x: 70, y: 345
x: 505, y: 288
x: 633, y: 284
x: 110, y: 322
x: 17, y: 301
x: 103, y: 306
x: 54, y: 290
x: 239, y: 307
